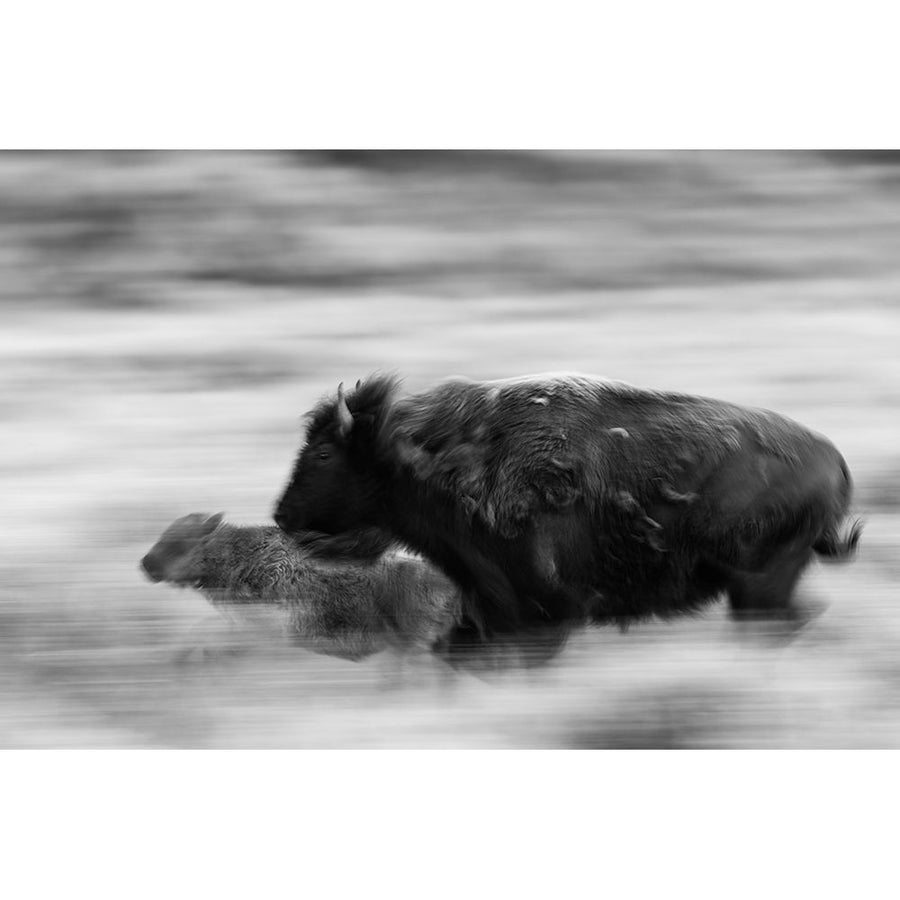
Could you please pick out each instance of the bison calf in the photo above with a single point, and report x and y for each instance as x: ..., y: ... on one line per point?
x: 350, y: 609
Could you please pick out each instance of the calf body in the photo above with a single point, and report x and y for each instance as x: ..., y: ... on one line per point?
x: 349, y: 608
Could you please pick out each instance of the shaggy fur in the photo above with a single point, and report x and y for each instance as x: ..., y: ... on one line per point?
x: 553, y: 500
x: 350, y: 609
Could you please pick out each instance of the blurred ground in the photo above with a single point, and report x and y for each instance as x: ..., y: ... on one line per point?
x: 166, y: 318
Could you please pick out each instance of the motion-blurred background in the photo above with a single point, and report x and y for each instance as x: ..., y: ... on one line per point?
x: 167, y: 318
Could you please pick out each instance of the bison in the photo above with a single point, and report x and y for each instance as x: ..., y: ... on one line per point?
x: 556, y: 500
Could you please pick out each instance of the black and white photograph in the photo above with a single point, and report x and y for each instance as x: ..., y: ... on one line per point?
x: 450, y: 449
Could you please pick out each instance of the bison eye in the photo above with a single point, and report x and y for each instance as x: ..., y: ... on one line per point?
x: 324, y: 454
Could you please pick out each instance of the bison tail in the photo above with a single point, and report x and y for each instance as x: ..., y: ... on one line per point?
x: 839, y: 546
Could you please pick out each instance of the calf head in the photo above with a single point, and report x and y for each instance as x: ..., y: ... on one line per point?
x: 172, y: 558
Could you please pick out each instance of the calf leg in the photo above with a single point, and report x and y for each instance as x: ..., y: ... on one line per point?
x: 213, y: 637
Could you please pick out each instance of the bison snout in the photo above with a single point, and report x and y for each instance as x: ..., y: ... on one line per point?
x: 285, y: 520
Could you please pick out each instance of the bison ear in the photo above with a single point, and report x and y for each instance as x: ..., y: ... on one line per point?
x: 213, y: 522
x: 344, y: 417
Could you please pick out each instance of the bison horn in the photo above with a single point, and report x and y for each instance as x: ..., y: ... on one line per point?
x: 344, y: 418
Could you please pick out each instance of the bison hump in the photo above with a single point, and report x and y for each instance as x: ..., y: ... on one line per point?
x: 497, y: 468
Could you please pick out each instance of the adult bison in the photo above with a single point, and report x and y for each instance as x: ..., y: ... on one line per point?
x: 561, y: 499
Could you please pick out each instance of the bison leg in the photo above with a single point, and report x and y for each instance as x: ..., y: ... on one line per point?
x: 769, y: 593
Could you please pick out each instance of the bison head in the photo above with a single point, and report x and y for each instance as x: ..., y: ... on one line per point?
x: 334, y: 486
